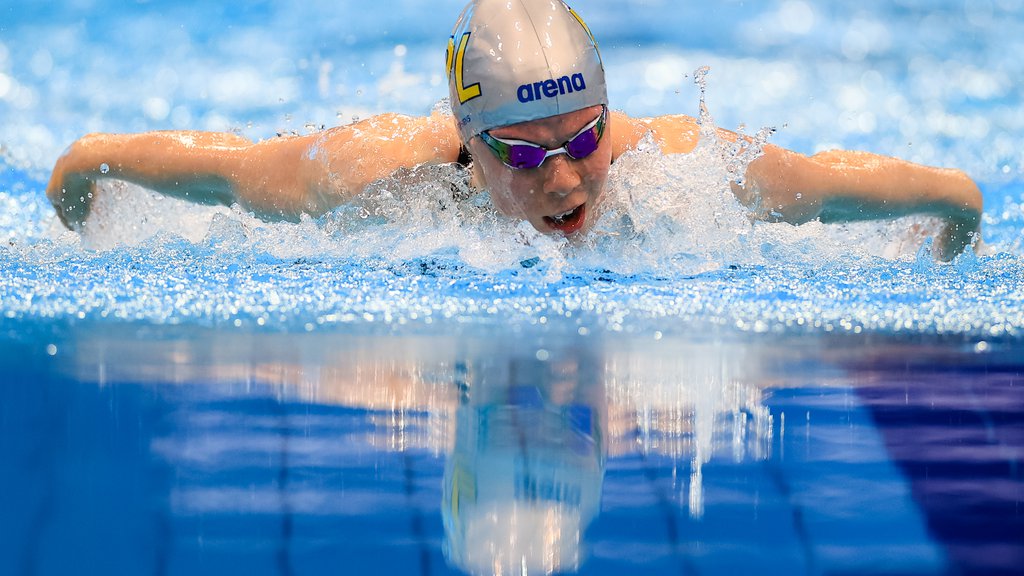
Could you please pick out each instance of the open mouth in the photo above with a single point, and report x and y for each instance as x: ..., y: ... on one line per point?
x: 568, y: 222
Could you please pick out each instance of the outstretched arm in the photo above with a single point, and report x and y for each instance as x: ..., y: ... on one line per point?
x: 838, y: 186
x: 833, y: 186
x: 279, y: 178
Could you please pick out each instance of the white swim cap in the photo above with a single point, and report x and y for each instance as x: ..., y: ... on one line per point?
x: 512, y: 61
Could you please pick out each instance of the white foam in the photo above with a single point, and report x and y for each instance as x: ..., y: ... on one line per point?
x: 124, y: 214
x: 662, y: 214
x: 928, y: 97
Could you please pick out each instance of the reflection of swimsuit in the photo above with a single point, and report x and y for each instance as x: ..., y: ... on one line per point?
x: 462, y: 188
x: 465, y: 158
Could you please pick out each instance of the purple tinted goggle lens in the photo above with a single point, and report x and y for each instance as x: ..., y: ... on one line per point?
x: 520, y: 154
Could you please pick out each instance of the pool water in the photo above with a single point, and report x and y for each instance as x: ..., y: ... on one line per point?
x: 415, y: 384
x: 183, y: 451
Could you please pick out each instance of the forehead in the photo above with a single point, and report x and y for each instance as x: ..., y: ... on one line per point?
x: 553, y: 129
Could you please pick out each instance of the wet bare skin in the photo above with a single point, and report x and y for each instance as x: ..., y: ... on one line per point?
x: 560, y: 185
x: 282, y: 178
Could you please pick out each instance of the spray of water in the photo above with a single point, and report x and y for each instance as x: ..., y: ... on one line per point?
x: 663, y: 214
x: 671, y: 247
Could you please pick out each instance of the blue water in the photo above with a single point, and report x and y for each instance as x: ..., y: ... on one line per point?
x: 870, y: 77
x: 176, y: 451
x: 188, y: 389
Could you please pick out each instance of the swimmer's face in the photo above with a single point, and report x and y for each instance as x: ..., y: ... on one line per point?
x: 562, y: 195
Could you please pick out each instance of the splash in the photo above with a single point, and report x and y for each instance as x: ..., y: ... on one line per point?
x: 663, y: 214
x: 671, y: 249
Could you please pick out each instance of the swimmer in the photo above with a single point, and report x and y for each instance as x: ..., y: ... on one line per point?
x: 529, y: 106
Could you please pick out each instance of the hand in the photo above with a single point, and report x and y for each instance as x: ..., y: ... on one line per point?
x: 71, y: 192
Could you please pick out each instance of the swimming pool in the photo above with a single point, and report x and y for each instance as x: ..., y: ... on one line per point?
x: 188, y: 389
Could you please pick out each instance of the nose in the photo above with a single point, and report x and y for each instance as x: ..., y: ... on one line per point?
x: 560, y: 177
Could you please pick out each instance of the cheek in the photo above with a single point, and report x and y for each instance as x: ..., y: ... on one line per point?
x: 514, y: 194
x: 499, y: 182
x: 597, y: 171
x: 508, y: 189
x: 504, y: 202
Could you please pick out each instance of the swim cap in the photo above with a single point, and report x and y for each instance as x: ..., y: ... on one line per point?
x: 512, y: 61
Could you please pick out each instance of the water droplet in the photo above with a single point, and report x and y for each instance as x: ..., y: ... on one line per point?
x: 104, y: 168
x: 51, y: 349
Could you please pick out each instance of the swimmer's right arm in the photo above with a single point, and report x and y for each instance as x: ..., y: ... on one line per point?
x: 279, y: 178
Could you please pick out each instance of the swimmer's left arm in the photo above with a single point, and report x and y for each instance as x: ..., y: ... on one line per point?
x: 842, y: 186
x: 830, y: 186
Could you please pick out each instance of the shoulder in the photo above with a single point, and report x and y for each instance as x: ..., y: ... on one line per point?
x: 675, y: 133
x: 393, y: 139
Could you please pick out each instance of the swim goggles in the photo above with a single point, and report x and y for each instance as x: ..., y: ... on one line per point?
x: 522, y: 155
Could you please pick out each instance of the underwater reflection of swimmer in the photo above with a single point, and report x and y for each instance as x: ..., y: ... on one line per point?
x: 524, y: 479
x: 524, y: 433
x: 517, y: 442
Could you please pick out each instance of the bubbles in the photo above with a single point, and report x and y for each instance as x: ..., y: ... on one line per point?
x: 6, y: 84
x: 979, y: 13
x: 671, y: 247
x: 181, y: 117
x: 666, y: 72
x: 127, y: 215
x: 156, y: 109
x: 796, y: 17
x: 41, y: 63
x: 104, y: 168
x: 865, y: 37
x: 982, y: 84
x: 246, y: 87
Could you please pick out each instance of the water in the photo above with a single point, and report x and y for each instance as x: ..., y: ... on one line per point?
x: 189, y: 389
x: 182, y: 451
